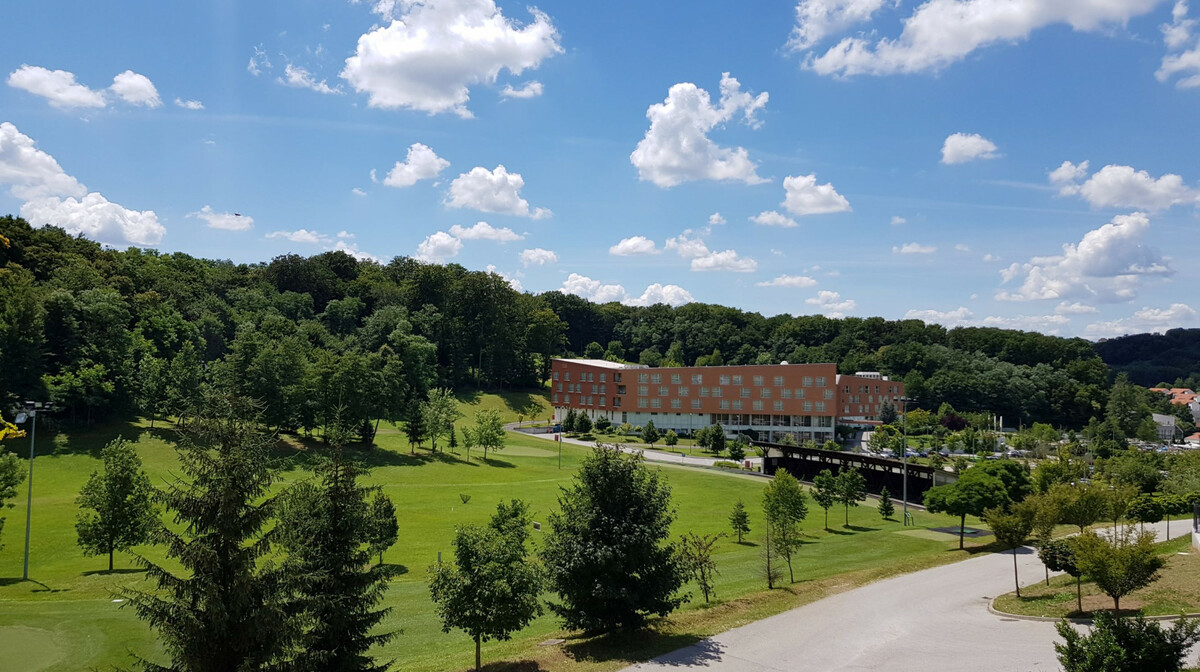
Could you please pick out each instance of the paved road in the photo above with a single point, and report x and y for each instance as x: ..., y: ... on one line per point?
x: 650, y: 455
x: 936, y: 619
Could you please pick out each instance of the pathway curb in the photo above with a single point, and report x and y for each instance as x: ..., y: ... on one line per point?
x: 1079, y: 621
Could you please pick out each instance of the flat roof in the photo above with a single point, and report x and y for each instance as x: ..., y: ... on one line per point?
x: 604, y: 363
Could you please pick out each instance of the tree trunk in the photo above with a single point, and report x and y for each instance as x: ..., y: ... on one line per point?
x: 1079, y: 594
x: 381, y: 558
x: 1016, y: 579
x: 1117, y: 605
x: 847, y: 515
x: 476, y: 653
x: 827, y: 519
x: 962, y: 530
x: 1047, y: 575
x: 791, y: 576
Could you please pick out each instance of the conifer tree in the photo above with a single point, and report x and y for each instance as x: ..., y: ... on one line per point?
x: 227, y: 609
x: 382, y: 528
x: 116, y: 507
x: 324, y: 528
x: 886, y: 508
x: 414, y: 427
x: 739, y: 520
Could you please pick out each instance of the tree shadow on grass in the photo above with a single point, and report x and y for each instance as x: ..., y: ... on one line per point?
x: 395, y: 569
x: 105, y: 572
x: 307, y: 452
x: 513, y: 666
x: 672, y: 649
x: 493, y: 462
x: 859, y: 528
x: 746, y: 543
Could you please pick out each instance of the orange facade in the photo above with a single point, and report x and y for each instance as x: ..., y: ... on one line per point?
x: 811, y: 395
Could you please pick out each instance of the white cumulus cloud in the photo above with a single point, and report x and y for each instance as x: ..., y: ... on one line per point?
x: 300, y: 236
x: 803, y: 196
x: 948, y: 318
x: 189, y: 104
x: 773, y: 218
x: 831, y: 303
x: 1108, y: 264
x: 485, y: 231
x: 1183, y: 49
x: 964, y: 147
x: 788, y: 281
x: 727, y: 260
x: 439, y: 247
x: 715, y: 219
x: 58, y: 87
x: 942, y: 32
x: 51, y: 196
x: 421, y: 163
x: 1116, y: 186
x: 672, y: 295
x: 592, y: 290
x: 492, y: 191
x: 300, y: 78
x: 228, y: 221
x: 530, y: 89
x: 676, y: 147
x: 135, y: 89
x: 633, y: 245
x: 913, y: 248
x: 538, y: 257
x: 1076, y: 308
x: 816, y: 19
x: 1157, y: 320
x: 432, y: 52
x: 897, y: 220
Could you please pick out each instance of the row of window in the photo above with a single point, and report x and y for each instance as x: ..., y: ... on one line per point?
x: 578, y: 387
x: 726, y: 379
x: 589, y: 376
x: 587, y: 400
x: 684, y: 391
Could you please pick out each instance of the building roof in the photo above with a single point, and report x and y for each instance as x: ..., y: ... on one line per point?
x: 1160, y: 419
x: 604, y: 363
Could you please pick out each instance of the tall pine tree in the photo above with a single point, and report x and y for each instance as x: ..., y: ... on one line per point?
x: 227, y: 610
x: 324, y: 527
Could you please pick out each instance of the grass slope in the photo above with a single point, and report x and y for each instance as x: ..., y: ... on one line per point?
x: 65, y: 619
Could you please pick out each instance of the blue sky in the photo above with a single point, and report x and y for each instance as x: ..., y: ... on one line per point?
x: 844, y: 157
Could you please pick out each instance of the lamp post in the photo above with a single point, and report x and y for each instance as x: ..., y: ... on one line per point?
x: 904, y: 453
x: 32, y: 408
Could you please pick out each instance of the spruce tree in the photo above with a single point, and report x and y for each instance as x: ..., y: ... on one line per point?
x: 739, y: 520
x: 414, y: 426
x: 382, y: 531
x: 227, y: 610
x: 324, y: 528
x: 886, y: 508
x: 116, y: 507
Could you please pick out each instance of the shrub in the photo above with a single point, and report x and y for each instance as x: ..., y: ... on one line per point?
x: 1126, y: 645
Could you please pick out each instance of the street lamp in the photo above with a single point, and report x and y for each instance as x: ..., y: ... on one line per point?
x: 904, y: 453
x: 32, y: 408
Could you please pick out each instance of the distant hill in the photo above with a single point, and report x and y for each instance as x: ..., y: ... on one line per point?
x: 1153, y: 358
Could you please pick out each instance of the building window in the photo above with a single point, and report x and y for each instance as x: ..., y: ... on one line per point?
x: 603, y: 377
x: 820, y: 381
x: 595, y: 388
x: 676, y: 379
x: 808, y: 405
x: 786, y: 393
x: 799, y: 393
x: 556, y: 375
x: 643, y: 403
x: 757, y: 381
x: 656, y: 378
x: 704, y: 391
x: 602, y: 390
x: 676, y: 403
x: 643, y: 377
x: 756, y: 405
x: 807, y: 382
x: 616, y: 377
x: 821, y: 406
x: 723, y: 380
x: 779, y: 405
x: 724, y: 404
x: 643, y: 390
x: 737, y: 380
x: 556, y: 397
x: 765, y: 392
x: 663, y: 390
x: 778, y: 381
x: 828, y: 394
x: 620, y: 389
x: 745, y: 392
x: 617, y: 402
x: 717, y: 392
x: 656, y: 403
x: 566, y: 375
x: 695, y: 404
x: 559, y: 387
x: 566, y: 399
x: 684, y: 390
x: 697, y: 379
x: 737, y: 404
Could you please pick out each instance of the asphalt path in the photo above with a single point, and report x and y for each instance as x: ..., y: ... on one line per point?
x: 935, y: 619
x: 650, y: 454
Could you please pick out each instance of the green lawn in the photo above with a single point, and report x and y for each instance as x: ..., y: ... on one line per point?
x: 1176, y: 591
x: 66, y: 619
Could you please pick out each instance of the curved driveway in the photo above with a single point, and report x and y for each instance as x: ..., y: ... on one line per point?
x: 935, y: 619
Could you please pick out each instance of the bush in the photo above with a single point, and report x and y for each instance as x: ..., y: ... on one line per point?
x: 725, y: 464
x: 1126, y: 645
x: 670, y: 438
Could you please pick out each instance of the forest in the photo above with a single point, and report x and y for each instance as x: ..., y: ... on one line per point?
x: 106, y: 332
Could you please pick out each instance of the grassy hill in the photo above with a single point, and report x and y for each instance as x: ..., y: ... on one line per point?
x: 66, y: 620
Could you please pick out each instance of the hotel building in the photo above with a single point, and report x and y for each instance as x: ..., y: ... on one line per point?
x: 804, y: 400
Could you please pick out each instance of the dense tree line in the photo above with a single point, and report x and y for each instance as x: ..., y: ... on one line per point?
x: 1149, y: 359
x: 109, y: 332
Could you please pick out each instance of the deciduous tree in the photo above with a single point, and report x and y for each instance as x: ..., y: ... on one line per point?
x: 116, y: 507
x: 973, y: 493
x: 1118, y: 565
